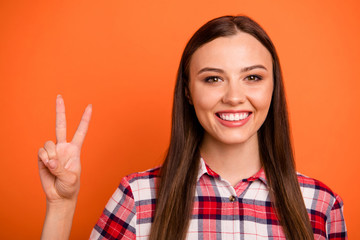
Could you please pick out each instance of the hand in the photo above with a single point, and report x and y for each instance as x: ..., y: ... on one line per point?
x: 59, y: 164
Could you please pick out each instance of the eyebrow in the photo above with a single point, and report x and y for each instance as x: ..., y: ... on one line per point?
x: 219, y: 70
x: 246, y: 69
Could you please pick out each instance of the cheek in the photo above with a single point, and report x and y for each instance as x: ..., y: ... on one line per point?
x: 204, y: 100
x: 204, y: 103
x: 261, y: 100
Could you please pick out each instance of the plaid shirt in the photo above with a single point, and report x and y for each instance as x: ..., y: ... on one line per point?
x: 220, y: 210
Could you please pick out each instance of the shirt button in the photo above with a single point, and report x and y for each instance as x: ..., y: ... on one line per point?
x: 232, y: 198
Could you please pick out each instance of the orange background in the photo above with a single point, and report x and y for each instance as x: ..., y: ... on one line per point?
x: 122, y: 57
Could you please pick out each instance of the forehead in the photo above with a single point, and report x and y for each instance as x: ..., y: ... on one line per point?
x: 231, y: 53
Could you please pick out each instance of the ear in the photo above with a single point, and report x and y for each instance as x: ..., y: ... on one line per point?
x: 188, y: 96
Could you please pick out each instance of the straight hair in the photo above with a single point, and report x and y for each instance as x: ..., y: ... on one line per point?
x: 178, y: 175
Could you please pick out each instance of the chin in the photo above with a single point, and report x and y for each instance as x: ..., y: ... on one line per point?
x: 233, y: 140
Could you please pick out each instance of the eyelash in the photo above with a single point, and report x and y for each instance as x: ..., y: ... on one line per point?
x: 258, y: 78
x: 211, y: 79
x: 215, y: 79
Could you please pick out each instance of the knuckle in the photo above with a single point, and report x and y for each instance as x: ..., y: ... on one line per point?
x: 73, y: 179
x: 49, y: 144
x: 61, y: 124
x: 40, y: 151
x: 50, y: 149
x: 42, y: 154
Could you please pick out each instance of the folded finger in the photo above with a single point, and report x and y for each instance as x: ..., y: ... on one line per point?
x: 50, y: 149
x: 81, y: 131
x: 60, y: 120
x: 43, y: 156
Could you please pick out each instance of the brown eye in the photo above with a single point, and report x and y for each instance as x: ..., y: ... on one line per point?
x: 212, y: 79
x: 253, y: 78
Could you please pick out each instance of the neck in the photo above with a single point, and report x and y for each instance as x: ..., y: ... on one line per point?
x: 232, y: 162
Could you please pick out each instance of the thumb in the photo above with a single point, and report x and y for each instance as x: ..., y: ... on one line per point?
x: 52, y: 165
x: 55, y: 168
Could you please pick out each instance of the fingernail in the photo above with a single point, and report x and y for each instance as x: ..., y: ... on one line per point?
x: 52, y: 164
x: 59, y: 95
x: 59, y: 99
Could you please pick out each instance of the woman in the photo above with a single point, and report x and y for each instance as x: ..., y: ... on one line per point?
x: 229, y: 172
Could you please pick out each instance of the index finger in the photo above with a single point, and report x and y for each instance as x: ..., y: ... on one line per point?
x: 81, y: 131
x: 60, y: 120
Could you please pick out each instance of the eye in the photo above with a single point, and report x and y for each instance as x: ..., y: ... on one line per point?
x: 212, y: 79
x: 253, y: 78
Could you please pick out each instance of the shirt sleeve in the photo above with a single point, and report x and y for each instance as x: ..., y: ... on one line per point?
x: 336, y: 228
x: 119, y: 216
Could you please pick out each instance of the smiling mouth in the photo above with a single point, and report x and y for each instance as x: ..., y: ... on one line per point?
x: 233, y: 116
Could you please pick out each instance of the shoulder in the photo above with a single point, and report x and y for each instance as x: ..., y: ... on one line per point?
x: 325, y: 208
x: 317, y: 193
x: 139, y: 178
x: 131, y: 203
x: 152, y: 173
x: 140, y: 185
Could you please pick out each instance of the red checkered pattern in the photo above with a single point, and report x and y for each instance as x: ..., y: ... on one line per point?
x: 220, y: 210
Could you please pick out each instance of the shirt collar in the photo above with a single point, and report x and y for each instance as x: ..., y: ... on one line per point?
x: 205, y: 169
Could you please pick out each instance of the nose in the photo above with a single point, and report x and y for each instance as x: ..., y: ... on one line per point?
x: 234, y: 93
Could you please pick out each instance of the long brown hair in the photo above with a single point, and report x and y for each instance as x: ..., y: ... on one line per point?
x: 178, y: 174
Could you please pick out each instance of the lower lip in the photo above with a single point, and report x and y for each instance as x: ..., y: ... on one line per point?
x: 238, y: 123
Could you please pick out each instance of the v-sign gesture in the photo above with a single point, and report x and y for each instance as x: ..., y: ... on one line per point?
x: 59, y: 169
x: 59, y: 164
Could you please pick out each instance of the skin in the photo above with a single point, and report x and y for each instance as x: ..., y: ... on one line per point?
x: 59, y: 170
x: 231, y: 74
x: 230, y: 151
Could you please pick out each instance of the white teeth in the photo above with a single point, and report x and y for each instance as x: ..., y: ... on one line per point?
x: 233, y: 116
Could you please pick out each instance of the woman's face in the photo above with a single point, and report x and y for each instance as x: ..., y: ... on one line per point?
x: 231, y: 85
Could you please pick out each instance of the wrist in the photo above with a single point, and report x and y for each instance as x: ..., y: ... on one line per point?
x: 61, y: 207
x: 58, y: 219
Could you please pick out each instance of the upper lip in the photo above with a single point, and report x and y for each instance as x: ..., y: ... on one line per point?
x: 233, y: 111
